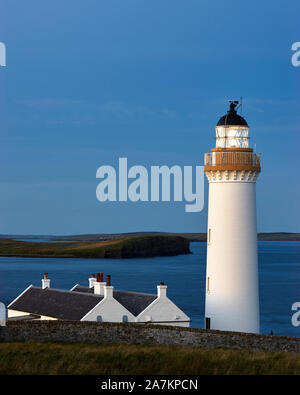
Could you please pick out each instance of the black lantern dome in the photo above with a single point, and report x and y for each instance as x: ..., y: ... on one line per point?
x: 232, y: 117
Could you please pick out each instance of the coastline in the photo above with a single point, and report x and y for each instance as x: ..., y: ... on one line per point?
x: 261, y: 236
x: 125, y: 247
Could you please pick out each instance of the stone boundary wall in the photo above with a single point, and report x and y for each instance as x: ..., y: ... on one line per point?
x: 93, y: 332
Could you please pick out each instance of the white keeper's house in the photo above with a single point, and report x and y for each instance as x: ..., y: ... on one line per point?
x: 98, y: 302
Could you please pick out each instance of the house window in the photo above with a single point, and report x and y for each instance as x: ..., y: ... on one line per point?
x: 125, y: 318
x: 99, y: 318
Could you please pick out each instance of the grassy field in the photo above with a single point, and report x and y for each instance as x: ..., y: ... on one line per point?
x: 73, y: 358
x: 126, y: 247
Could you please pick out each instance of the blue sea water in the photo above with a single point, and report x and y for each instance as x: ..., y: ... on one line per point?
x: 279, y: 270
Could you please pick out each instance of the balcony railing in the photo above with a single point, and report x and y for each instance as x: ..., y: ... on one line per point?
x: 232, y: 159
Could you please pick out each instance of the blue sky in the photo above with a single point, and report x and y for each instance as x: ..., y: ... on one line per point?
x: 89, y: 81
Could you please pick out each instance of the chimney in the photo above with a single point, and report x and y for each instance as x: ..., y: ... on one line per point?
x: 108, y: 289
x: 99, y: 284
x: 91, y: 281
x: 2, y: 314
x: 45, y: 281
x: 162, y: 290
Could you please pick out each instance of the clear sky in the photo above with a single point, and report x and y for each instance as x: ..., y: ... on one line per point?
x: 89, y: 81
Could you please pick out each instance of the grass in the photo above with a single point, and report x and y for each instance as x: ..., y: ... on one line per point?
x: 126, y: 247
x: 33, y: 357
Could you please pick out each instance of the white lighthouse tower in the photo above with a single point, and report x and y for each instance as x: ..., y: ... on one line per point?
x: 232, y: 300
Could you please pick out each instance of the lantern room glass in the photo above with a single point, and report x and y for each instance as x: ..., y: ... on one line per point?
x: 232, y: 137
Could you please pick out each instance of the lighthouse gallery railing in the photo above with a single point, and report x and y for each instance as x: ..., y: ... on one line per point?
x: 232, y: 159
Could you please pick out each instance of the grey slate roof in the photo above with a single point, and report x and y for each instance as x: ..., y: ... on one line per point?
x: 56, y: 303
x: 74, y: 305
x: 80, y: 288
x: 135, y: 302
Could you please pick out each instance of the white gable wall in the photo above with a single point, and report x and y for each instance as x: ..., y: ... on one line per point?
x: 163, y: 311
x: 16, y: 313
x: 46, y: 318
x: 109, y: 309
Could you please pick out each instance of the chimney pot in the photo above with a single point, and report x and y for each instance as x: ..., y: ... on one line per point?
x: 93, y: 276
x: 108, y: 280
x: 100, y: 277
x: 45, y: 276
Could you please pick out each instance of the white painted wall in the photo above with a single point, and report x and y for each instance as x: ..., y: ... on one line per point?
x: 162, y: 311
x: 46, y: 318
x: 109, y: 308
x: 16, y: 313
x: 232, y: 300
x: 99, y: 287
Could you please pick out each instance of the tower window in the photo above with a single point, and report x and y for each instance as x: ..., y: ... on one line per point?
x: 99, y: 318
x: 209, y: 236
x: 125, y: 318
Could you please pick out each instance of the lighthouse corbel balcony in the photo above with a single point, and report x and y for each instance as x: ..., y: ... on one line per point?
x: 232, y: 164
x: 232, y: 159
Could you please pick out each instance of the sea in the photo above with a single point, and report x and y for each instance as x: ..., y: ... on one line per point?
x: 279, y: 279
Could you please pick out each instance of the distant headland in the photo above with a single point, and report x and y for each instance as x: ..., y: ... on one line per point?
x: 130, y: 246
x: 269, y: 236
x: 116, y: 245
